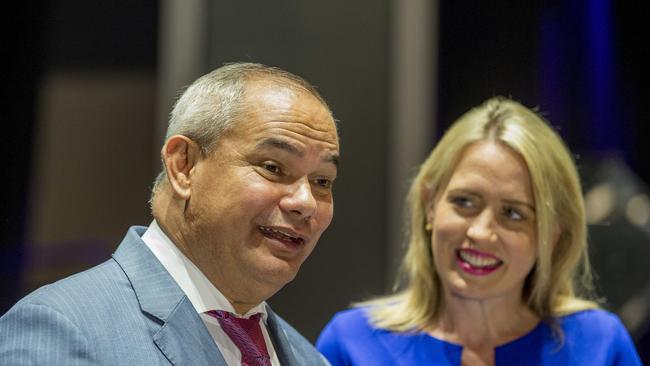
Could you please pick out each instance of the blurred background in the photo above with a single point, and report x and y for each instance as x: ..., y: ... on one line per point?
x: 89, y: 86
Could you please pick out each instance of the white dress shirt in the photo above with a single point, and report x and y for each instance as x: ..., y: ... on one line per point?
x: 202, y: 294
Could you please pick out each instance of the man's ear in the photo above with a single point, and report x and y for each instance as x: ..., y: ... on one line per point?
x: 180, y: 155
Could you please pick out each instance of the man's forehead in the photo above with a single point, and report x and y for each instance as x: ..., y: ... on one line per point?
x: 282, y: 91
x: 299, y: 106
x: 261, y: 93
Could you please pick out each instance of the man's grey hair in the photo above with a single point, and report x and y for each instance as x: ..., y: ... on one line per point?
x: 212, y: 104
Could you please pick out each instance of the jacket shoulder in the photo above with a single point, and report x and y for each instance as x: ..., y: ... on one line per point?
x: 599, y: 334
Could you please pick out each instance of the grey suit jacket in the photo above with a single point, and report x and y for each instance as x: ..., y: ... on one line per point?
x: 125, y: 311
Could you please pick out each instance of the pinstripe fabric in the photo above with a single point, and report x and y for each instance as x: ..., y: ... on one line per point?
x: 126, y: 311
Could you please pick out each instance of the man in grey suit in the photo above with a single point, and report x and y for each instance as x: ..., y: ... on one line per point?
x: 246, y: 191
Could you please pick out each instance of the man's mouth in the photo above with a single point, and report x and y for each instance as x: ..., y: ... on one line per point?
x: 282, y: 235
x: 476, y: 262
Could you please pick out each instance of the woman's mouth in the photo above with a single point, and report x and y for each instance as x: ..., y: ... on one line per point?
x: 476, y: 262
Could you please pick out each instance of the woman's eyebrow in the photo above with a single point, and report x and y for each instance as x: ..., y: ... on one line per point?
x: 520, y: 203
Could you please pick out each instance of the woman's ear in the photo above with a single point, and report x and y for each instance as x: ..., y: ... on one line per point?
x: 429, y: 207
x: 557, y: 232
x: 180, y: 155
x: 428, y: 203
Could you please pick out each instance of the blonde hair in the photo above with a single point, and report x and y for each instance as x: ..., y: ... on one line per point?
x: 561, y: 273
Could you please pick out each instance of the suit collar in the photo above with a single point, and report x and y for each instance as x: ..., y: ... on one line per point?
x: 156, y: 291
x: 184, y: 339
x: 283, y: 347
x: 182, y: 336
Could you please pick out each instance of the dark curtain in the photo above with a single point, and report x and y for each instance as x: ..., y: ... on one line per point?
x: 22, y: 40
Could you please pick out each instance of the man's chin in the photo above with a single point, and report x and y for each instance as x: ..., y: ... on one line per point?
x: 279, y: 273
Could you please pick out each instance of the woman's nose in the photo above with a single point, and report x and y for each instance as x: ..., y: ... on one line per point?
x: 482, y: 227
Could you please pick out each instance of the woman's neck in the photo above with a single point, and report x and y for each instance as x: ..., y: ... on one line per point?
x: 485, y: 323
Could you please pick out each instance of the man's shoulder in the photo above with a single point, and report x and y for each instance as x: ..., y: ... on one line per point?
x: 94, y: 316
x: 81, y: 291
x: 95, y: 289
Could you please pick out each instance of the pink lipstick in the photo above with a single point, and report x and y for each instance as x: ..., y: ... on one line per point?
x: 476, y: 262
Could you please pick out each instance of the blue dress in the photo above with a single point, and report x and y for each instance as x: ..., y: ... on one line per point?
x: 591, y: 337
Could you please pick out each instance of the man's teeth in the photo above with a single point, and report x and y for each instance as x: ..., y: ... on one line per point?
x: 279, y: 234
x: 478, y: 260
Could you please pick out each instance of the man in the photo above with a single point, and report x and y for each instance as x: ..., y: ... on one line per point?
x: 246, y: 191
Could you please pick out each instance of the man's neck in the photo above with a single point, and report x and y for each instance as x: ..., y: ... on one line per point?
x: 238, y: 296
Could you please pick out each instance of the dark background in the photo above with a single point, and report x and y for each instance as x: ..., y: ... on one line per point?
x: 584, y: 63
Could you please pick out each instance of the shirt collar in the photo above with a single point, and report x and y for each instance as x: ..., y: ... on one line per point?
x: 203, y: 295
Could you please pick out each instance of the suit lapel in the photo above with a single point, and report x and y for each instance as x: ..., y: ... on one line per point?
x: 281, y: 343
x: 185, y: 340
x: 182, y: 336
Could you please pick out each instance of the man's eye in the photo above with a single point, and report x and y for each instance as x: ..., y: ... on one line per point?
x: 272, y: 168
x: 323, y: 182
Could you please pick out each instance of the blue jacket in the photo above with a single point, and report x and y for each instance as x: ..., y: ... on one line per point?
x: 591, y: 337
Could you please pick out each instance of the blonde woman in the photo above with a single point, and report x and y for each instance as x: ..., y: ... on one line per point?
x: 496, y: 259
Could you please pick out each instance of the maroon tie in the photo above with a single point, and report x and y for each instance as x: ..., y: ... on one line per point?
x: 247, y: 336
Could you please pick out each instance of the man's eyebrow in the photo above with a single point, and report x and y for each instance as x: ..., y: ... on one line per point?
x: 276, y: 143
x: 334, y: 159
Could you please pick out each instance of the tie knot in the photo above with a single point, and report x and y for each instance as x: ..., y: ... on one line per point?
x: 246, y: 334
x: 222, y: 314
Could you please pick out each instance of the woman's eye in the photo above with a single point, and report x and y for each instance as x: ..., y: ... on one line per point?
x: 461, y: 201
x: 512, y: 214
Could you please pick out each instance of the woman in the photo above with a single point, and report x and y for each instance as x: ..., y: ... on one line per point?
x: 496, y: 260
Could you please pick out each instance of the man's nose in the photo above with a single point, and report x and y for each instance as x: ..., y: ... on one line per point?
x: 482, y: 228
x: 299, y: 200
